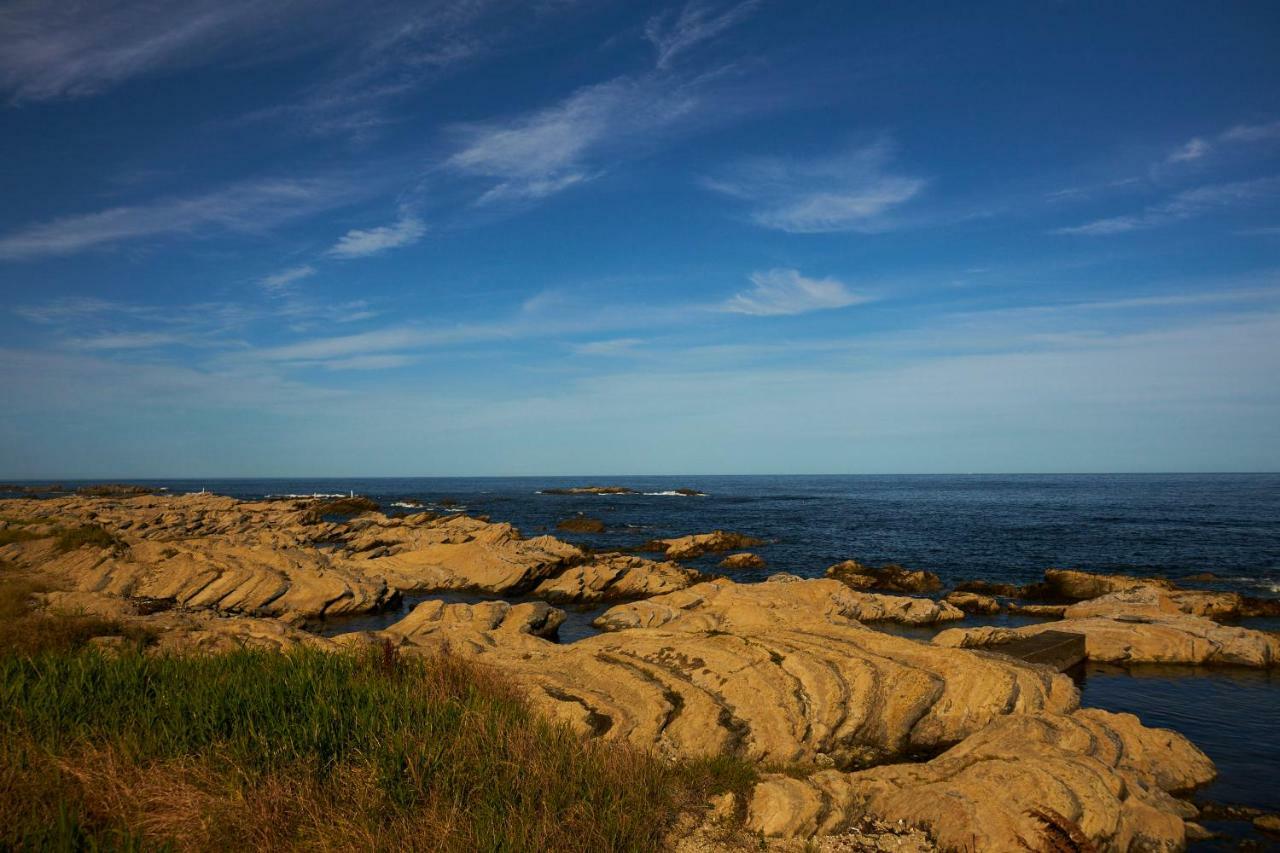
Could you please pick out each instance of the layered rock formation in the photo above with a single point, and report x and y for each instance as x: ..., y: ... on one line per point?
x: 1044, y: 781
x: 1079, y: 586
x: 787, y: 680
x: 722, y: 605
x: 892, y: 578
x: 1137, y: 639
x: 697, y: 544
x: 745, y: 560
x: 972, y: 602
x: 611, y: 577
x: 199, y: 551
x: 419, y: 552
x: 282, y: 559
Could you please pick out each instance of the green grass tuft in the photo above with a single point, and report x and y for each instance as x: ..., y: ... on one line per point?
x: 356, y: 751
x: 87, y: 534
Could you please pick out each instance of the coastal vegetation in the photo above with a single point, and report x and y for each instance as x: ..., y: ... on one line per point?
x: 104, y: 745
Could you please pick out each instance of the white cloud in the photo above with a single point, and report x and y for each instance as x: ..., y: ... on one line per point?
x: 281, y: 280
x: 368, y: 362
x: 851, y: 191
x: 247, y: 207
x: 614, y: 346
x: 1252, y: 132
x: 544, y: 152
x: 380, y: 340
x: 360, y: 243
x: 782, y: 291
x: 127, y: 341
x: 697, y: 22
x: 1198, y: 147
x: 1193, y: 150
x: 1184, y: 205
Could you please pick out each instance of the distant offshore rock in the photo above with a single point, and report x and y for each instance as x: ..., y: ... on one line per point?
x: 581, y: 524
x: 116, y: 490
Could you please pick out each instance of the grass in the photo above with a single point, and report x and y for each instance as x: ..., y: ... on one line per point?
x: 9, y: 535
x: 87, y: 534
x: 318, y: 750
x: 126, y: 750
x: 24, y: 632
x: 68, y: 539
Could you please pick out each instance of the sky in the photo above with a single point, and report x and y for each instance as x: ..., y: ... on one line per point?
x: 313, y: 238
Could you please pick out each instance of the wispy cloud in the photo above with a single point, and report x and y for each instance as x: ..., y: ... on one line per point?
x: 1194, y: 149
x: 1252, y: 132
x: 60, y: 50
x: 127, y: 341
x: 613, y: 346
x: 850, y: 191
x: 1199, y: 147
x: 367, y: 362
x: 673, y: 34
x: 245, y: 207
x: 1181, y: 206
x: 51, y: 50
x: 281, y: 280
x: 361, y: 243
x: 544, y: 152
x: 783, y: 291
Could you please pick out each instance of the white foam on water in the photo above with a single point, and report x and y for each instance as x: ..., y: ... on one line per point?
x: 315, y: 495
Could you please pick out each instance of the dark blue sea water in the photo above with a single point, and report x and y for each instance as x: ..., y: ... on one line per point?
x: 993, y: 527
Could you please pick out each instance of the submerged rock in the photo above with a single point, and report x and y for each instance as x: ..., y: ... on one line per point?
x: 892, y: 577
x: 581, y: 524
x: 1005, y: 590
x: 1052, y: 611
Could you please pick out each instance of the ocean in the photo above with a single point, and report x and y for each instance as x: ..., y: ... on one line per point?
x: 990, y: 527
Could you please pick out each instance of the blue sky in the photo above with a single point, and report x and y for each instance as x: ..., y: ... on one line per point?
x: 316, y: 238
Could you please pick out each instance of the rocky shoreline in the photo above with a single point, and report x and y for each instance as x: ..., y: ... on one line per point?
x: 965, y: 746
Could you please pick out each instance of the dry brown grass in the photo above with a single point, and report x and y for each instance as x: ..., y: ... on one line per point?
x: 311, y: 750
x: 25, y: 631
